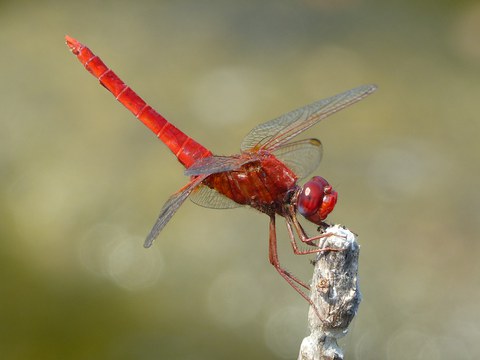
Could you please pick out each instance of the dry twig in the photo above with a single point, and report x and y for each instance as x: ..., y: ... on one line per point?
x: 336, y: 294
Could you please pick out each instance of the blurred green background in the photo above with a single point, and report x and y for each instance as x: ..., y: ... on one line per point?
x: 82, y: 181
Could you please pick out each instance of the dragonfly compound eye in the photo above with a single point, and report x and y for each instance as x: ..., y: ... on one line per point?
x: 316, y: 200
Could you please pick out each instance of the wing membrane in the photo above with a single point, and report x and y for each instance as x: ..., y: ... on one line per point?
x: 216, y: 164
x: 210, y: 198
x: 171, y: 207
x: 302, y: 156
x: 273, y: 133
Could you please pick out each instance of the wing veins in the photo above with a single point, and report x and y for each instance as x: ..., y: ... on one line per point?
x: 273, y: 133
x: 170, y: 208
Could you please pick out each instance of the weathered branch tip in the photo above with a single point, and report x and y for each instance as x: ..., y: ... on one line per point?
x: 336, y: 294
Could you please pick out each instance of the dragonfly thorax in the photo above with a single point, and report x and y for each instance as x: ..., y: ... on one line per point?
x: 316, y: 200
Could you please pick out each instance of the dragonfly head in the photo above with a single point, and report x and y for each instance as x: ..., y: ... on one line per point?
x: 316, y: 200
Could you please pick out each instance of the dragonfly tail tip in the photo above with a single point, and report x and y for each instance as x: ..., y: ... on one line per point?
x: 73, y: 44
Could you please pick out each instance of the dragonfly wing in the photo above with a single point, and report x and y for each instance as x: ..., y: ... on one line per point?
x: 217, y: 164
x: 170, y: 207
x: 302, y: 156
x: 273, y: 133
x: 210, y: 198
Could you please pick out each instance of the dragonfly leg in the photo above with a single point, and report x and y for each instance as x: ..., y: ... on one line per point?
x: 273, y: 257
x: 289, y: 278
x: 292, y: 223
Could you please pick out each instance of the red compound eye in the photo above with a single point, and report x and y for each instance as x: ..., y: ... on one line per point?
x: 316, y: 200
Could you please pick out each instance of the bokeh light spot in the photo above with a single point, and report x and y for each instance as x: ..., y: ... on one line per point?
x: 107, y: 250
x: 466, y: 32
x: 235, y: 298
x: 284, y: 330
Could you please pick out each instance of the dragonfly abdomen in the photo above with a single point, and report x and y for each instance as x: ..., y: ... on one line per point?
x: 184, y: 147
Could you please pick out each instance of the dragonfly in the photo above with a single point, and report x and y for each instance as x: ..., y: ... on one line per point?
x: 265, y: 174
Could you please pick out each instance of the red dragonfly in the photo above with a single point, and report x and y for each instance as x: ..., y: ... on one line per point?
x: 264, y: 175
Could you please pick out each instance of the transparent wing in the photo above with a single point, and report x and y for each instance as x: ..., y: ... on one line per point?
x: 273, y: 133
x: 216, y: 164
x: 170, y: 207
x: 302, y: 156
x: 210, y: 198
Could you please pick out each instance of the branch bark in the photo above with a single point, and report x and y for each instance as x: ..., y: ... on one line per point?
x: 335, y: 293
